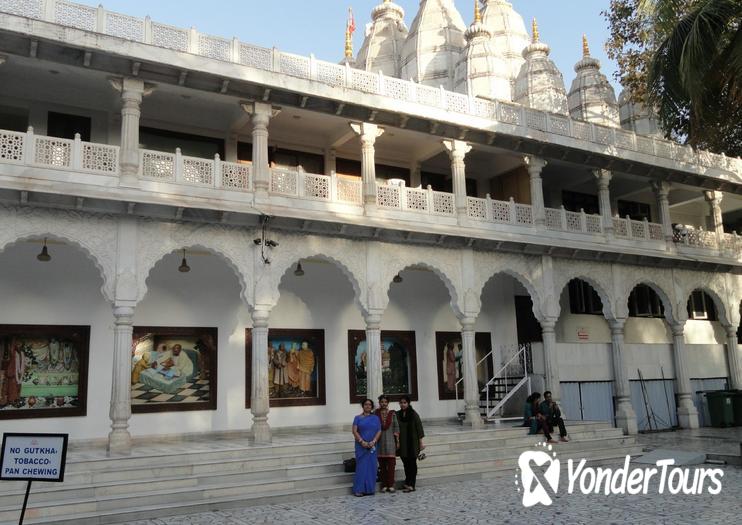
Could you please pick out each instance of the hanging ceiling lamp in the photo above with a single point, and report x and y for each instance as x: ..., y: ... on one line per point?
x: 397, y: 279
x: 299, y: 270
x: 184, y: 268
x: 44, y: 256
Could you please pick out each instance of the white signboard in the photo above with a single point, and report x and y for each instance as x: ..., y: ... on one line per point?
x: 33, y: 457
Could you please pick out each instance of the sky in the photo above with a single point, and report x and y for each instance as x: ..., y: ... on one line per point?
x: 318, y: 26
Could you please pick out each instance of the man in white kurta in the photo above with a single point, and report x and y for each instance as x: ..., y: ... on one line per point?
x: 169, y: 373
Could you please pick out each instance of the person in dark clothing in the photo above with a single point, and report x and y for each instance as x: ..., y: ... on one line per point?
x: 529, y: 413
x: 553, y: 416
x: 411, y: 436
x: 537, y: 420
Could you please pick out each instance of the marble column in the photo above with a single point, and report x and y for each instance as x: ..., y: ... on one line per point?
x: 261, y: 114
x: 662, y: 194
x: 374, y: 378
x: 330, y: 161
x: 714, y: 201
x: 687, y: 413
x: 733, y: 357
x: 551, y: 365
x: 259, y: 401
x: 416, y: 175
x: 471, y: 385
x: 119, y: 439
x: 457, y: 150
x: 368, y: 133
x: 535, y: 166
x: 132, y: 91
x: 625, y: 415
x: 604, y: 199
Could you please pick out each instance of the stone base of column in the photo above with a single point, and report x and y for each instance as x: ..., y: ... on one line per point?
x: 119, y: 442
x: 261, y: 430
x: 473, y: 417
x: 687, y: 413
x: 626, y: 417
x: 129, y: 178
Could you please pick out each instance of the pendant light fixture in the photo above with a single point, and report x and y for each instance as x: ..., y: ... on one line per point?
x: 44, y: 256
x: 397, y: 279
x: 299, y: 270
x: 184, y: 268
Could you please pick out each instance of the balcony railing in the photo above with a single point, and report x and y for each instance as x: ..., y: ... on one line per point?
x: 52, y: 153
x: 232, y: 50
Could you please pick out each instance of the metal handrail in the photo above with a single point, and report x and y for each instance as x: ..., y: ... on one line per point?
x: 503, y: 373
x: 456, y: 386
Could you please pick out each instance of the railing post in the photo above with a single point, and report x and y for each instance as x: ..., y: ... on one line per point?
x: 76, y: 160
x: 348, y: 75
x: 488, y: 207
x: 50, y: 7
x: 429, y: 197
x: 217, y: 171
x: 443, y: 98
x: 382, y: 83
x: 583, y: 221
x: 629, y: 227
x: 312, y: 67
x: 301, y: 185
x: 333, y: 186
x: 563, y: 217
x: 30, y: 149
x: 511, y: 212
x: 100, y: 22
x: 646, y: 229
x: 178, y: 165
x: 193, y: 45
x: 235, y: 50
x: 402, y: 197
x: 147, y: 30
x: 276, y: 62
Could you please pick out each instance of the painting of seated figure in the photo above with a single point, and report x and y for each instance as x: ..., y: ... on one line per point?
x: 173, y: 369
x: 43, y: 370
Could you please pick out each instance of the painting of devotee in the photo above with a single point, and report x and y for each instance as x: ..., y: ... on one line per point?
x: 450, y: 359
x: 398, y: 364
x: 43, y: 370
x: 173, y: 369
x: 296, y: 367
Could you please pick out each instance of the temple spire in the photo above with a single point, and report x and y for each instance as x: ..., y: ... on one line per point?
x: 585, y: 47
x: 534, y: 28
x: 477, y: 12
x: 350, y: 28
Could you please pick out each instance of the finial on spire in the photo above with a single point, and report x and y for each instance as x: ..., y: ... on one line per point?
x: 477, y: 13
x: 534, y: 27
x: 350, y: 28
x: 585, y: 47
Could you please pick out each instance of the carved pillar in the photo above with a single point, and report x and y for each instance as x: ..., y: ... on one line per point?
x: 457, y: 150
x: 374, y: 378
x: 662, y: 193
x: 368, y: 133
x: 261, y: 114
x: 687, y: 413
x: 535, y: 166
x: 625, y: 415
x: 714, y: 200
x: 416, y: 175
x: 604, y: 199
x: 132, y: 91
x: 259, y: 402
x: 330, y: 161
x: 119, y: 439
x: 551, y: 365
x: 733, y: 357
x: 471, y: 385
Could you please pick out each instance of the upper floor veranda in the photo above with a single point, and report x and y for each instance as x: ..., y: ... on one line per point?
x: 106, y: 112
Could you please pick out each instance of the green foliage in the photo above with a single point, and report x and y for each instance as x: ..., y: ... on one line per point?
x: 684, y: 58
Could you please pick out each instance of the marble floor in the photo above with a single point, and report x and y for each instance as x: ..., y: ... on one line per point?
x: 498, y: 501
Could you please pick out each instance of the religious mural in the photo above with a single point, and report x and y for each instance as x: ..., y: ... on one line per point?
x: 43, y: 370
x: 398, y: 364
x: 296, y: 367
x: 450, y: 359
x: 173, y: 369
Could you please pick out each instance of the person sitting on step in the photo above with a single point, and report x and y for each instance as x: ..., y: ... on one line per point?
x: 553, y: 416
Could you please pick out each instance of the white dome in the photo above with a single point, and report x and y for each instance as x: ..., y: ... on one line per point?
x: 509, y: 35
x: 540, y: 84
x: 385, y: 35
x: 635, y: 116
x: 591, y: 97
x: 434, y: 44
x: 481, y: 72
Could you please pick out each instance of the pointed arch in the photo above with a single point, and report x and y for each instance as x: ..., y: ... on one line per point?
x: 525, y: 282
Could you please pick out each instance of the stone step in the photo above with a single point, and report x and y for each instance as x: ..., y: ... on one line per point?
x: 121, y: 509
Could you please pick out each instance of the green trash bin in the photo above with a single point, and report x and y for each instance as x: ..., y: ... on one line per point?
x: 721, y: 408
x: 737, y: 407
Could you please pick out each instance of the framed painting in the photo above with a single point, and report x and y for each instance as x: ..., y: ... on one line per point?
x: 43, y: 370
x: 450, y: 362
x: 173, y: 368
x: 398, y: 364
x: 296, y: 367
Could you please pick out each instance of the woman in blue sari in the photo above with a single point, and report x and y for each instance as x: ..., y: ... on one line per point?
x: 366, y: 431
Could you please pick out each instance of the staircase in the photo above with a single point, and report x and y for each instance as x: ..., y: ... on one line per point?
x: 180, y: 478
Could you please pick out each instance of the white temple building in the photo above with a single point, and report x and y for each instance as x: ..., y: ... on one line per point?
x: 426, y: 219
